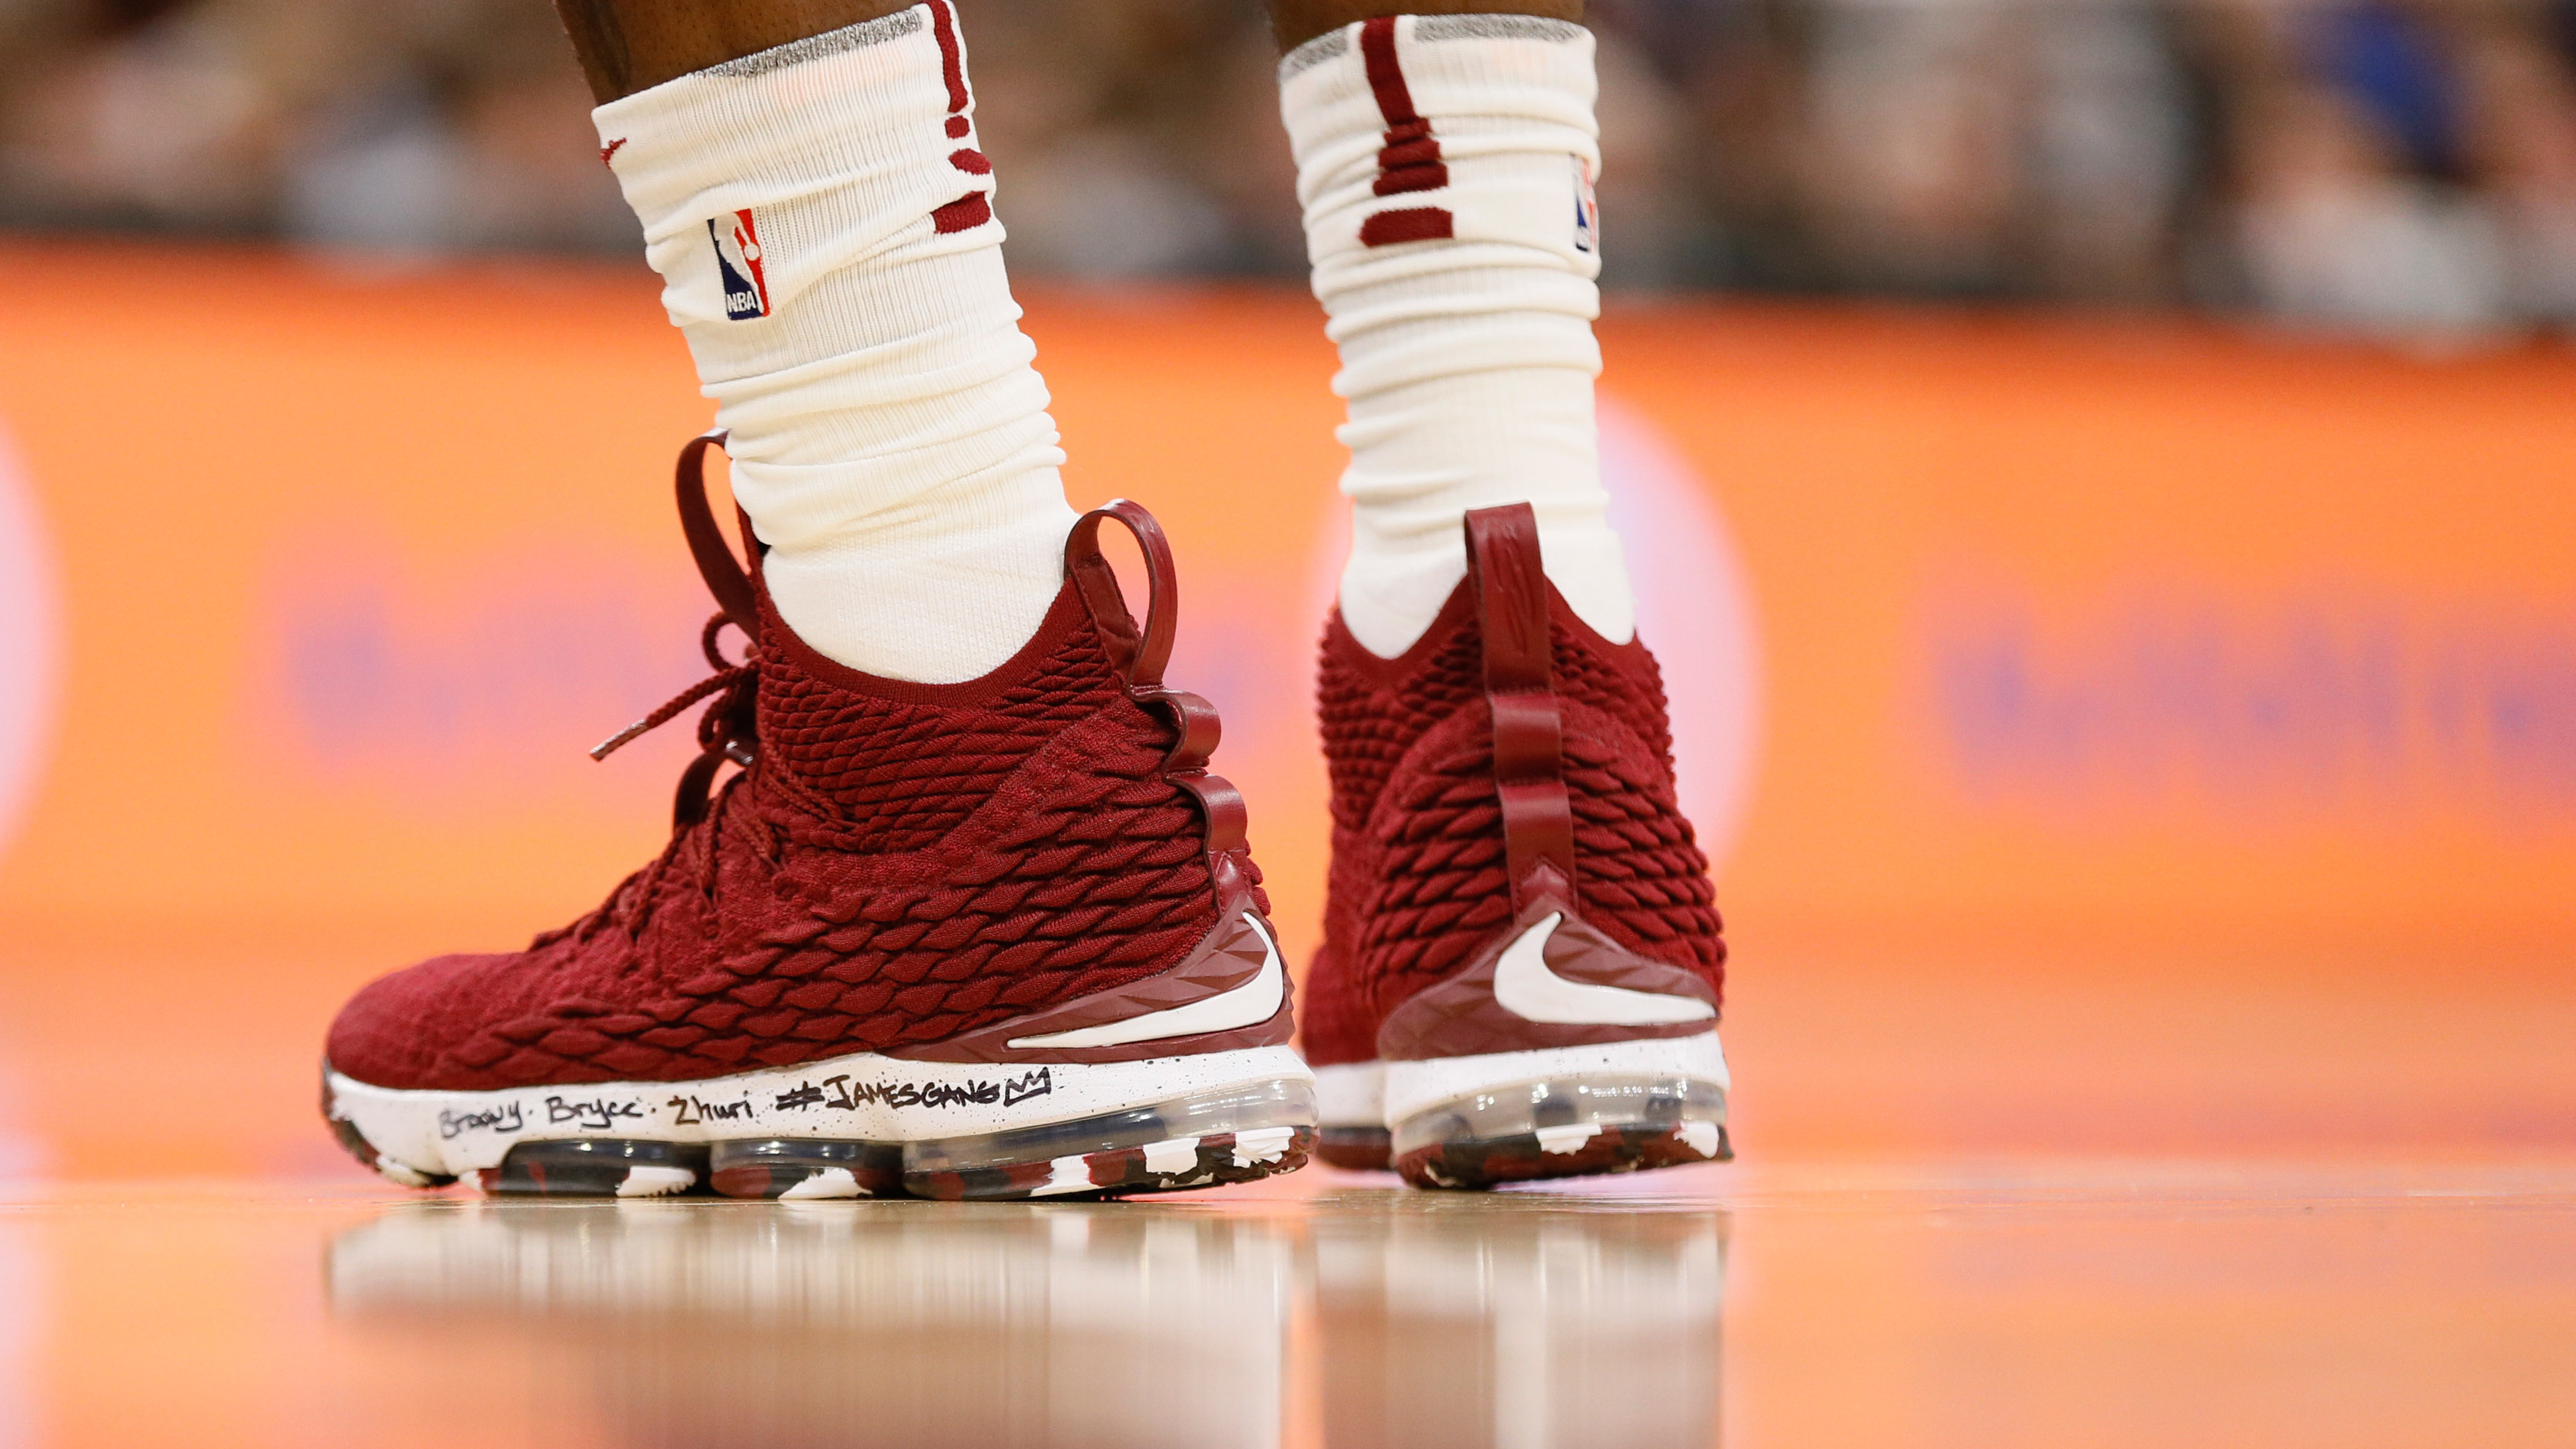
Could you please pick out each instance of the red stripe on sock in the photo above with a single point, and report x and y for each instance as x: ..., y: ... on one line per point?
x: 1408, y: 224
x: 1410, y: 158
x: 1411, y: 178
x: 1407, y: 144
x: 952, y: 59
x: 1385, y: 77
x: 973, y: 210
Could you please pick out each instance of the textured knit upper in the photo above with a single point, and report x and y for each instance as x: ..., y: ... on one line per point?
x: 1417, y: 883
x: 904, y: 863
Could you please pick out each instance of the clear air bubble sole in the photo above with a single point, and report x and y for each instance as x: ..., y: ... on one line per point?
x: 1478, y: 1121
x: 854, y: 1126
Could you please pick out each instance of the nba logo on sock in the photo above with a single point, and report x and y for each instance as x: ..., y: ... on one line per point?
x: 738, y: 266
x: 1587, y: 210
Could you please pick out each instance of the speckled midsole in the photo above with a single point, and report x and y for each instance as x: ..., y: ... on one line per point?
x: 1409, y: 1089
x: 1351, y: 1095
x: 858, y: 1097
x: 1561, y: 1097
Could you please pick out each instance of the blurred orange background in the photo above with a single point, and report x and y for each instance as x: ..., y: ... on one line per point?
x: 2114, y: 735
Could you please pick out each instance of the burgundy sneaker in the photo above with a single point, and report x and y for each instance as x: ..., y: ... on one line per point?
x: 1521, y: 964
x: 993, y: 939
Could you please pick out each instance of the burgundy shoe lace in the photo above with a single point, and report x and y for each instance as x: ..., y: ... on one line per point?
x: 729, y: 730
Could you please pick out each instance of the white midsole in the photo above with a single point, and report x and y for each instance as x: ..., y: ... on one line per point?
x: 861, y: 1097
x: 1353, y: 1095
x: 1411, y: 1087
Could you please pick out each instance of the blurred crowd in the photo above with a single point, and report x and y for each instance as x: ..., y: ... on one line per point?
x: 2401, y: 165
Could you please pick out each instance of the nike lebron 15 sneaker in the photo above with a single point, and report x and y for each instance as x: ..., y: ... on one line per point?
x: 1522, y: 963
x: 998, y: 939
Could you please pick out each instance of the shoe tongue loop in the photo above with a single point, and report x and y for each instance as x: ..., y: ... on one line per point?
x: 729, y: 729
x: 716, y: 562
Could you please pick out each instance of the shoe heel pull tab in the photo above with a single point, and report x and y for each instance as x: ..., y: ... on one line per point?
x: 1506, y: 569
x: 1138, y: 654
x: 716, y: 562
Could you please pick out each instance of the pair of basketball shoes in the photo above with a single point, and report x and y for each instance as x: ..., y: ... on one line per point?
x: 1005, y: 938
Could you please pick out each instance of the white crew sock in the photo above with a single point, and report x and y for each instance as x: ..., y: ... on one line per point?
x: 820, y: 216
x: 1446, y: 166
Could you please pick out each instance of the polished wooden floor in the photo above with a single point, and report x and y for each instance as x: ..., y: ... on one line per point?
x: 2009, y: 1301
x: 2004, y: 1196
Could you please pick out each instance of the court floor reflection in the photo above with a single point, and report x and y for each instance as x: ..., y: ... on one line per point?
x: 1454, y: 1324
x: 1362, y: 1318
x: 2007, y: 1304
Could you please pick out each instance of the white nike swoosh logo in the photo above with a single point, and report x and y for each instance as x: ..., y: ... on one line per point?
x: 1250, y: 1004
x: 1530, y: 991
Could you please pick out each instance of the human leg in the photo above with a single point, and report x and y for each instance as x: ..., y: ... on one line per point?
x: 820, y: 213
x: 624, y: 46
x: 1294, y: 22
x: 972, y: 918
x: 1517, y: 912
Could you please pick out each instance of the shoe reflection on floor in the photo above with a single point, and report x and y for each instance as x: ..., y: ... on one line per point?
x: 1455, y: 1323
x: 846, y: 1324
x: 1501, y: 1321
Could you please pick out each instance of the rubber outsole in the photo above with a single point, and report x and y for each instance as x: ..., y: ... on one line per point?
x: 1481, y: 1163
x: 1214, y: 1119
x: 596, y: 1167
x: 604, y: 1167
x: 775, y: 1167
x: 1173, y: 1165
x: 1483, y: 1120
x: 1355, y: 1149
